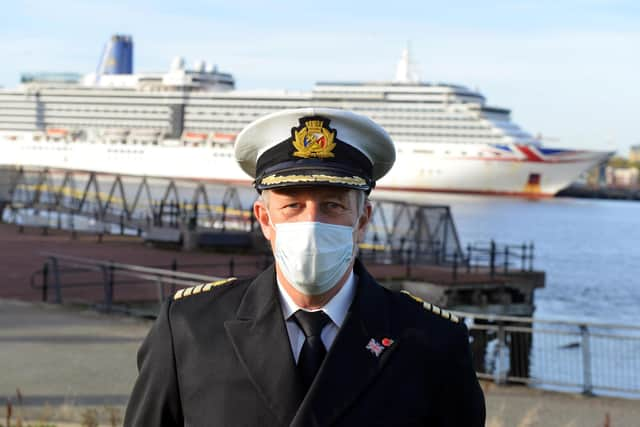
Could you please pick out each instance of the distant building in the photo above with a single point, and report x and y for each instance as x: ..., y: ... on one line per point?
x: 634, y: 154
x: 622, y: 177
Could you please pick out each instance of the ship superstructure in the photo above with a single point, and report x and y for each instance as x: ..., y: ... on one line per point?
x: 182, y: 124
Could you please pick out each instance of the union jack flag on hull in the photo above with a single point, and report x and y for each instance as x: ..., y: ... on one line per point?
x: 531, y: 153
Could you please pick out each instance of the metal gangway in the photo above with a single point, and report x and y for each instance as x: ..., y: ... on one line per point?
x: 170, y: 209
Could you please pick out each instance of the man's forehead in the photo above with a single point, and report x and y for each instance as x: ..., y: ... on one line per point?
x: 316, y: 191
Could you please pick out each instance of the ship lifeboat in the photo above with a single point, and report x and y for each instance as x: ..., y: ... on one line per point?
x: 194, y: 139
x: 228, y: 138
x: 57, y: 134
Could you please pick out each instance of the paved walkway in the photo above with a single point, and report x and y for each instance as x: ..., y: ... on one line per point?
x: 65, y: 360
x: 71, y: 363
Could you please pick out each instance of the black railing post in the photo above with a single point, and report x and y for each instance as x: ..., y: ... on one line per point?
x: 193, y: 217
x: 587, y: 385
x: 455, y: 266
x: 224, y: 216
x: 121, y: 224
x: 469, y: 257
x: 232, y: 265
x: 506, y: 259
x: 531, y: 256
x: 45, y: 282
x: 500, y: 372
x: 492, y: 259
x: 109, y: 273
x: 56, y: 280
x: 160, y: 289
x: 174, y: 267
x: 72, y: 225
x: 524, y: 257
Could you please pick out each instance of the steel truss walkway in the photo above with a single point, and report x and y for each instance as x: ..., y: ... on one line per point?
x: 103, y: 203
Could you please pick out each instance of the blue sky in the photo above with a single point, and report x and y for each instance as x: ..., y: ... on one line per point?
x: 569, y: 70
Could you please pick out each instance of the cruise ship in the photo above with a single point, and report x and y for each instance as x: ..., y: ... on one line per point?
x: 183, y: 123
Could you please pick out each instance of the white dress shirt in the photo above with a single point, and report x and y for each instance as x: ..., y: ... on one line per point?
x: 336, y: 309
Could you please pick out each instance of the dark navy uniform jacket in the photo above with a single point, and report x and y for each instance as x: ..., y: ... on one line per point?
x: 221, y: 357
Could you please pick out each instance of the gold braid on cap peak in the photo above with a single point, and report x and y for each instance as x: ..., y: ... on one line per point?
x: 205, y: 287
x: 434, y: 309
x: 284, y: 179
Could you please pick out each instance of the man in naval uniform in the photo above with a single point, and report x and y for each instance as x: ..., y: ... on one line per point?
x: 313, y: 340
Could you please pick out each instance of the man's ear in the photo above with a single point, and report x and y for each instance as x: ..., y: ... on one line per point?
x: 262, y: 215
x: 364, y: 220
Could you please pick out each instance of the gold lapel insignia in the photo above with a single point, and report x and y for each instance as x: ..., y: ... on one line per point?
x: 314, y: 138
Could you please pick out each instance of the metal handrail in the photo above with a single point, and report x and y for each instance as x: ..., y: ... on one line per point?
x: 51, y: 272
x: 531, y: 320
x: 515, y: 349
x: 170, y: 274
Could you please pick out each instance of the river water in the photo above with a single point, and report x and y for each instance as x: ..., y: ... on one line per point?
x: 590, y: 249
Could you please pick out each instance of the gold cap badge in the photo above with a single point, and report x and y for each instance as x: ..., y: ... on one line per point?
x: 314, y: 139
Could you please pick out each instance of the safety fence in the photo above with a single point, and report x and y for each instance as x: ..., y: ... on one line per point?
x: 587, y: 357
x: 110, y: 286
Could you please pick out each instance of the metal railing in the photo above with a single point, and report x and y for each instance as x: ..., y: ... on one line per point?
x: 587, y: 357
x: 129, y: 288
x: 62, y: 274
x: 499, y: 258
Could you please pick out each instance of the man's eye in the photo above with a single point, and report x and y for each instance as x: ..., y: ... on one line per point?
x: 334, y: 205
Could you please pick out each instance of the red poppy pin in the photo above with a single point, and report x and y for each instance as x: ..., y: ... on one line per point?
x: 387, y: 342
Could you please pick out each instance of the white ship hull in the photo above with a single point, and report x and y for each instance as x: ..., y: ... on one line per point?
x: 182, y: 123
x: 458, y: 168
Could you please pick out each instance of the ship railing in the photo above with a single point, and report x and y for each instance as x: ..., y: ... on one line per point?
x: 574, y: 356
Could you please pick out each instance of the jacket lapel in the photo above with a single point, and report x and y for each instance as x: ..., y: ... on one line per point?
x: 349, y: 366
x: 261, y: 342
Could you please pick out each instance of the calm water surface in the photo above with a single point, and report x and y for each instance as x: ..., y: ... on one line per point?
x: 590, y: 249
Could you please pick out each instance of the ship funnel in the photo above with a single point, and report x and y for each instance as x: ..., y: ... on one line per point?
x: 117, y: 57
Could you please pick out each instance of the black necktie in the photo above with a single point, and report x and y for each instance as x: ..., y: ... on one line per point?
x: 313, y: 351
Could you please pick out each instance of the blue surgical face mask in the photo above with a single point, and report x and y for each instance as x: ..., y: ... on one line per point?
x: 313, y: 256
